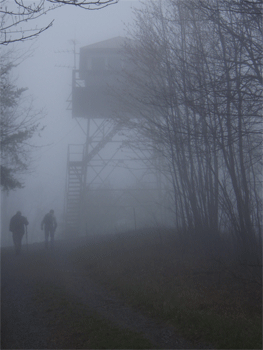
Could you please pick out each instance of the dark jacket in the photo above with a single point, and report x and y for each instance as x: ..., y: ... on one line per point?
x: 17, y: 224
x: 49, y: 222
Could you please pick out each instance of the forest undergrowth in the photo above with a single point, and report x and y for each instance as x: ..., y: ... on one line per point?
x: 204, y: 291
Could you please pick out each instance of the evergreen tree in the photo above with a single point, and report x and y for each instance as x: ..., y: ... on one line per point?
x: 18, y: 124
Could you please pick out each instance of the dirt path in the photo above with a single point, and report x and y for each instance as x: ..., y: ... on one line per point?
x: 23, y: 326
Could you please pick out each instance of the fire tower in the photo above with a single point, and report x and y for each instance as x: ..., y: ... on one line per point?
x: 90, y: 166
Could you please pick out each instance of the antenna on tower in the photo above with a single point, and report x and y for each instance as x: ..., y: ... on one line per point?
x: 74, y: 43
x: 73, y: 51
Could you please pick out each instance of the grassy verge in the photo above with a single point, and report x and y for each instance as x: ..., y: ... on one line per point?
x: 75, y: 327
x: 185, y: 288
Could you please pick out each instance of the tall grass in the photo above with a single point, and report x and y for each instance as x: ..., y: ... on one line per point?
x: 204, y: 294
x: 77, y: 327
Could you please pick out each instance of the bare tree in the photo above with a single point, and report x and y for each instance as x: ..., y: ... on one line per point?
x: 237, y: 84
x: 197, y: 91
x: 162, y: 93
x: 18, y: 17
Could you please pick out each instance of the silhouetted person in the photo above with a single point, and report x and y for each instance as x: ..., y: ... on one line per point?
x: 17, y: 227
x: 50, y: 224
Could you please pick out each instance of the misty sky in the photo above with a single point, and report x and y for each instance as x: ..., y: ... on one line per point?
x: 47, y: 74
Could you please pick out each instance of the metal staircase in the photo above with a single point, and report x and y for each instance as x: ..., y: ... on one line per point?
x: 74, y: 190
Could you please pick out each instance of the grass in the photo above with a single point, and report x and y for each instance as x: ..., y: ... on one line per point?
x: 75, y: 327
x: 184, y: 287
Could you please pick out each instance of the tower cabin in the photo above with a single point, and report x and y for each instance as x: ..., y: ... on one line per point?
x: 95, y: 85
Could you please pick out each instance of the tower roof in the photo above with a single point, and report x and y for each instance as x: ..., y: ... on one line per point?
x: 113, y: 43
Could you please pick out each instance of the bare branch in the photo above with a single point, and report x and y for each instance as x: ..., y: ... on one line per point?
x: 85, y: 4
x: 17, y: 18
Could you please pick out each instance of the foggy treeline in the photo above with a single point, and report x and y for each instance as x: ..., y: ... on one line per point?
x: 196, y: 89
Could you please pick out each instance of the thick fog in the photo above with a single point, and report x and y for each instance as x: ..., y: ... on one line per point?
x: 47, y: 74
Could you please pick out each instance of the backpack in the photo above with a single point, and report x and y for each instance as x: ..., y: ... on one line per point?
x: 49, y: 220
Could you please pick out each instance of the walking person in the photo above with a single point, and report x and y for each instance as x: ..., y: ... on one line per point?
x: 49, y: 222
x: 17, y: 227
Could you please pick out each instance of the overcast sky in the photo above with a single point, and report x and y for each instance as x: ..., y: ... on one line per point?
x: 47, y: 74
